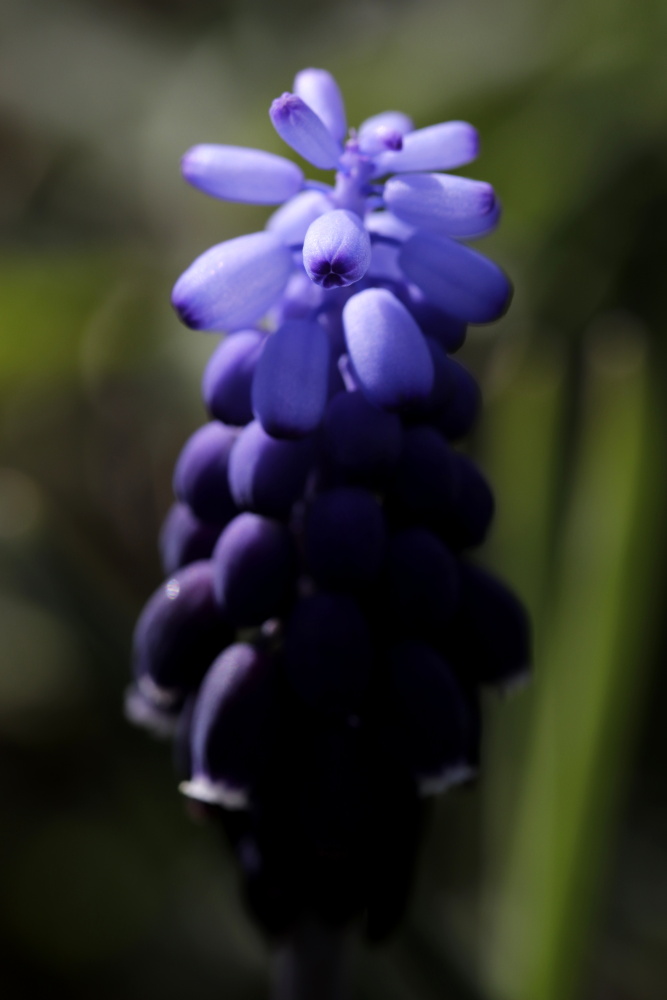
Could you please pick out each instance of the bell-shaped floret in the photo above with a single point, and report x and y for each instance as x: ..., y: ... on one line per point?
x: 472, y: 509
x: 424, y: 485
x: 179, y: 633
x: 489, y: 637
x: 267, y: 475
x: 362, y: 441
x: 434, y: 724
x: 449, y: 331
x: 291, y: 221
x: 461, y: 408
x: 320, y: 92
x: 302, y: 129
x: 455, y: 278
x: 233, y: 284
x: 200, y: 475
x: 443, y: 383
x: 329, y: 652
x: 337, y: 249
x: 423, y: 584
x: 227, y: 379
x: 228, y: 728
x: 388, y: 353
x: 441, y: 203
x: 290, y: 387
x: 345, y: 538
x: 184, y: 538
x: 437, y: 147
x: 254, y: 569
x: 238, y: 174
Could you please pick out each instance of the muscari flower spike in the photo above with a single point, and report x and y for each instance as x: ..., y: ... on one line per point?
x: 320, y: 641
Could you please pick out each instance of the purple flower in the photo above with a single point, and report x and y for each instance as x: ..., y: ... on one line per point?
x: 321, y: 640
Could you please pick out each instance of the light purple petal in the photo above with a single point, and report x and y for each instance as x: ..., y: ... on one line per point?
x: 320, y: 92
x: 337, y: 249
x: 455, y: 278
x: 289, y: 391
x: 238, y: 174
x: 290, y: 222
x: 440, y: 203
x: 299, y: 126
x: 438, y: 147
x: 389, y: 354
x: 233, y: 284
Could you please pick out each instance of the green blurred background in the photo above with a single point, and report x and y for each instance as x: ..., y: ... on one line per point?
x: 548, y: 880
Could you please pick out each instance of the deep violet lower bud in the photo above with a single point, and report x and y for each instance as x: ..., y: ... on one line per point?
x: 200, y: 475
x: 233, y: 284
x: 178, y: 634
x: 345, y: 538
x: 329, y: 652
x: 337, y: 249
x: 238, y: 174
x: 302, y: 129
x: 254, y: 569
x: 423, y: 584
x: 227, y: 379
x: 490, y: 637
x: 290, y: 385
x: 266, y: 475
x: 387, y: 349
x: 362, y: 442
x: 434, y: 729
x: 229, y: 725
x: 184, y: 538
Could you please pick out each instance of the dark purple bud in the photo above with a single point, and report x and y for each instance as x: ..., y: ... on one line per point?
x: 229, y: 727
x: 178, y: 634
x: 337, y: 249
x: 443, y: 383
x: 185, y: 539
x: 227, y: 380
x: 200, y: 475
x: 425, y: 481
x: 362, y: 441
x: 423, y: 584
x: 449, y: 332
x: 345, y: 538
x: 320, y: 92
x: 455, y: 278
x: 267, y: 475
x: 298, y: 125
x: 237, y: 174
x: 437, y: 147
x: 254, y: 569
x: 489, y: 638
x: 434, y: 730
x: 290, y: 387
x: 459, y: 414
x: 472, y: 509
x: 387, y: 349
x: 329, y: 652
x: 233, y: 284
x: 441, y: 203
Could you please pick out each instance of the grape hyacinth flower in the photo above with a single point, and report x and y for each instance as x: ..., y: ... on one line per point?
x: 321, y: 639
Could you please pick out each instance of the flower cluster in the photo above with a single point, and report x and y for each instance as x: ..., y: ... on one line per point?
x: 320, y: 640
